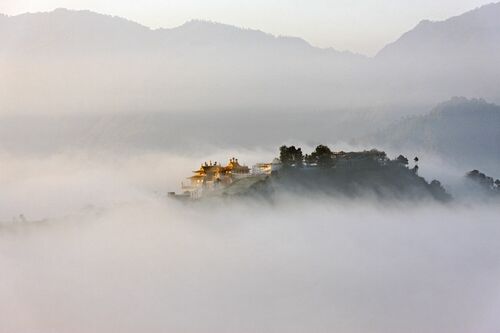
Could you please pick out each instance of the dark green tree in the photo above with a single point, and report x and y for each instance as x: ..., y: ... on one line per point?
x: 309, y: 159
x: 322, y: 157
x: 285, y: 156
x: 291, y: 156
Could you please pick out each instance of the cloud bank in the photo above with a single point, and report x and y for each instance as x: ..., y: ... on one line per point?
x: 134, y: 261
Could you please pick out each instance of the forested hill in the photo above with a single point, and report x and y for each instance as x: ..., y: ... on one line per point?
x: 461, y: 130
x: 365, y: 174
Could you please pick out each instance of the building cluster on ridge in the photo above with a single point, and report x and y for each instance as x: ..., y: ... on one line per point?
x: 211, y: 176
x: 215, y: 179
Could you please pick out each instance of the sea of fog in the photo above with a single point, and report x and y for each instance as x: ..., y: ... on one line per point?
x: 99, y: 248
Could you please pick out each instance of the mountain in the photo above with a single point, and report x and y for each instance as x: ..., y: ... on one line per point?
x: 73, y: 62
x: 67, y: 31
x: 458, y: 56
x: 461, y: 130
x: 76, y: 31
x: 475, y: 33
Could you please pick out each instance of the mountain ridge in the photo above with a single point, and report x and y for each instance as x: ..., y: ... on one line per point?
x: 81, y: 60
x: 485, y: 20
x: 489, y: 11
x: 461, y: 130
x: 205, y: 27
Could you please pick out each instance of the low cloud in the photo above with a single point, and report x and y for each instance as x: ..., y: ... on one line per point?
x: 115, y: 256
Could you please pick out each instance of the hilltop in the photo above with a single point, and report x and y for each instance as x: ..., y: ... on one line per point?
x: 369, y: 174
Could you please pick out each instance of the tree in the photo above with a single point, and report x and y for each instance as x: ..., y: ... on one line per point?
x: 473, y: 173
x: 309, y: 159
x: 486, y: 182
x: 322, y: 157
x: 403, y: 160
x: 291, y: 156
x: 285, y: 156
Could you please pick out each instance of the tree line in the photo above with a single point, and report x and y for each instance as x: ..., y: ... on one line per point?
x: 324, y: 157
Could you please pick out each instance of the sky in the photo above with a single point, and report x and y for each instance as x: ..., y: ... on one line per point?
x: 361, y: 26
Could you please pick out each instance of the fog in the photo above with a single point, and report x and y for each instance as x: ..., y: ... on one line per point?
x: 100, y: 117
x: 104, y: 250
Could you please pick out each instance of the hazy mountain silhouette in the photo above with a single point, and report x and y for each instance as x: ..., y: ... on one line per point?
x: 71, y: 30
x: 120, y: 83
x: 475, y: 33
x: 66, y: 60
x: 462, y: 130
x: 70, y: 61
x: 458, y: 56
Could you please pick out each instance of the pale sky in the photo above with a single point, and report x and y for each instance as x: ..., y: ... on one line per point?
x: 362, y: 26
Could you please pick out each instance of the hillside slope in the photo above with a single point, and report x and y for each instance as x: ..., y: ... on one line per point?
x: 461, y: 130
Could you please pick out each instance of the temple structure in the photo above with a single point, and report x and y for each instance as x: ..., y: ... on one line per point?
x: 210, y: 176
x: 214, y: 178
x: 266, y: 168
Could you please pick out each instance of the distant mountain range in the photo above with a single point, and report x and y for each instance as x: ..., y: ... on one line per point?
x: 72, y: 32
x: 460, y: 130
x: 80, y: 61
x: 455, y: 57
x: 475, y: 33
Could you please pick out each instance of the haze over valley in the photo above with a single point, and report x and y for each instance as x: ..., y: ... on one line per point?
x: 212, y: 178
